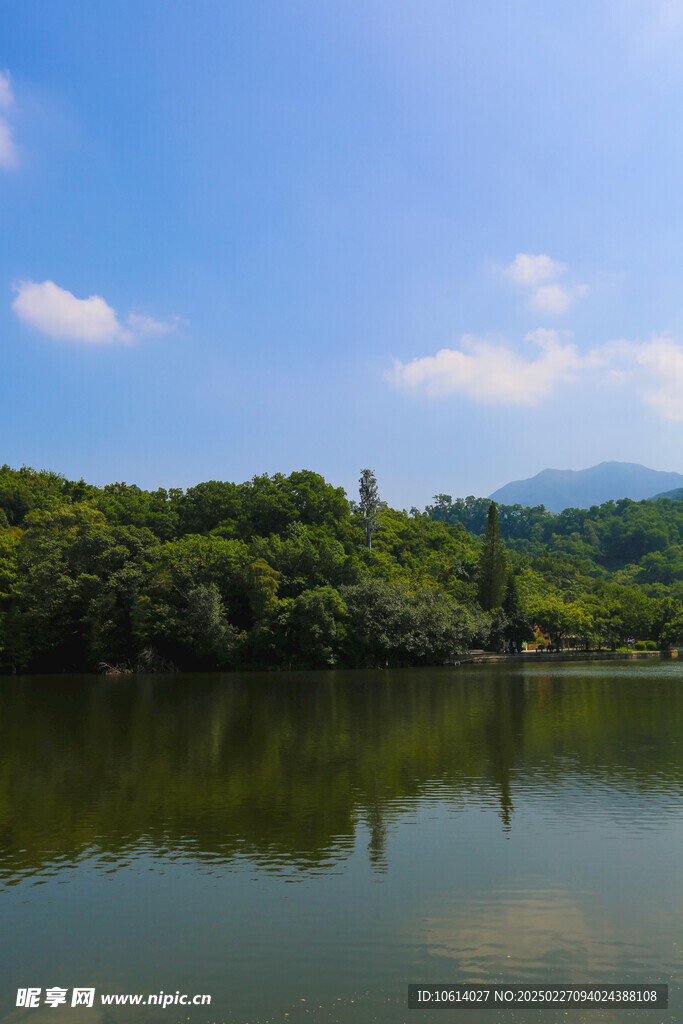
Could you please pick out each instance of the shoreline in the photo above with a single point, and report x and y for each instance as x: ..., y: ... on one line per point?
x: 494, y: 659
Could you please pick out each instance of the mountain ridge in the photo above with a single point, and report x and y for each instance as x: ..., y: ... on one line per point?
x: 558, y: 489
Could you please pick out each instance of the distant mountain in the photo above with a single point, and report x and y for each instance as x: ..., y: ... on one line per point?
x: 558, y: 489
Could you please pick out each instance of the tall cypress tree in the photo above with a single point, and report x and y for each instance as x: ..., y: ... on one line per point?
x: 369, y: 503
x: 492, y: 565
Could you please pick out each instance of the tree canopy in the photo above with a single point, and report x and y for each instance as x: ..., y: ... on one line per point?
x: 277, y: 572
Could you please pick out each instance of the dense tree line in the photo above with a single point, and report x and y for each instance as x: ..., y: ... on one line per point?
x: 278, y: 571
x: 619, y: 534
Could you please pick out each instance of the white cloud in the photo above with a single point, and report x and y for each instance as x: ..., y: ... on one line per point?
x: 536, y: 272
x: 6, y: 95
x: 532, y: 270
x: 551, y: 298
x: 662, y: 358
x: 59, y: 314
x: 141, y: 325
x: 491, y: 373
x: 655, y: 367
x: 8, y: 151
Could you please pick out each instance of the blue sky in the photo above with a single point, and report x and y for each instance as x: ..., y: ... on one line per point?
x: 440, y: 239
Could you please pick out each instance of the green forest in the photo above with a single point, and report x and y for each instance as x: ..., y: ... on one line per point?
x: 287, y: 572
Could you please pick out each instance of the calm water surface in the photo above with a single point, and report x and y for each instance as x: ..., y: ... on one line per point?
x: 307, y: 844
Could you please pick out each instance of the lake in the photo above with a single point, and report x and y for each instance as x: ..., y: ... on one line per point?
x: 301, y: 846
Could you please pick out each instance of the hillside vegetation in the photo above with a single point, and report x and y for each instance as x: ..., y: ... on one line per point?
x: 277, y: 572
